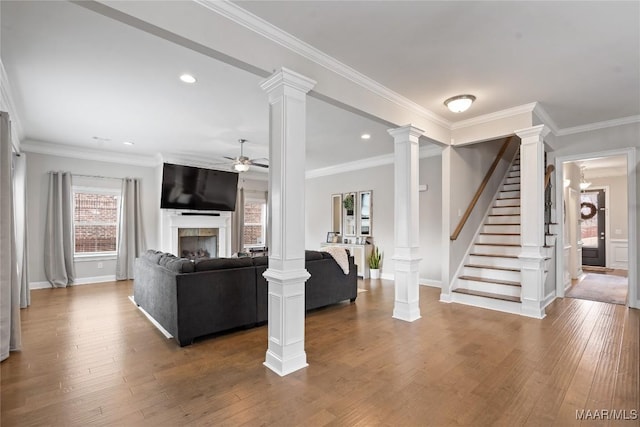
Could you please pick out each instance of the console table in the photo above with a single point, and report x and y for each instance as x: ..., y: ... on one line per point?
x: 360, y: 253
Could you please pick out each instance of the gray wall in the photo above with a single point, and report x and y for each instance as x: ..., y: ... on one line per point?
x: 37, y: 182
x: 380, y: 180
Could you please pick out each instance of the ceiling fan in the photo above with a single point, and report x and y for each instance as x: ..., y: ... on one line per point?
x: 242, y: 163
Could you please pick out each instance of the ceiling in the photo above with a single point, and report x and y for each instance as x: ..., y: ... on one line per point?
x: 76, y: 75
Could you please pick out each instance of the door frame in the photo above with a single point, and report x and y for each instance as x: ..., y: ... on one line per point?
x: 630, y: 154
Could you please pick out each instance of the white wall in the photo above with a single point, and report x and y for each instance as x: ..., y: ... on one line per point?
x: 380, y: 180
x: 619, y: 137
x: 617, y: 209
x: 38, y: 165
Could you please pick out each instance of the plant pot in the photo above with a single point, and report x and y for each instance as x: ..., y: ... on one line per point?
x: 374, y: 273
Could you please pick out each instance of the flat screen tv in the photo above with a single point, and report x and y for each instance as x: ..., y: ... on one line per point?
x: 187, y: 187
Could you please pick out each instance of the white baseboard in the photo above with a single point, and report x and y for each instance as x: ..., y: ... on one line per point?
x: 78, y: 281
x: 549, y: 299
x: 431, y: 283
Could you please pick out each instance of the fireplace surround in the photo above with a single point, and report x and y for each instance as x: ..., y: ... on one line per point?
x: 209, y: 231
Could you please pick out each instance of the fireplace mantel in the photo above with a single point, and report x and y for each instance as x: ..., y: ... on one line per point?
x: 172, y: 220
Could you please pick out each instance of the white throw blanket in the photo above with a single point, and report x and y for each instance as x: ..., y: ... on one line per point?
x: 340, y: 255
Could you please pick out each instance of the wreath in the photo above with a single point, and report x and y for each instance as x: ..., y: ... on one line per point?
x: 592, y: 210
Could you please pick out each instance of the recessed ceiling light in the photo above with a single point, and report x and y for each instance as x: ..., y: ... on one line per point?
x: 188, y: 78
x: 128, y: 143
x: 100, y: 139
x: 365, y: 136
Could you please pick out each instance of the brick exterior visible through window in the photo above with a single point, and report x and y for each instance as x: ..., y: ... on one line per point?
x: 254, y: 223
x: 95, y: 220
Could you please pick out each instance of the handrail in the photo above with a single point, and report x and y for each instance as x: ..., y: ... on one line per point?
x: 481, y: 188
x: 547, y: 175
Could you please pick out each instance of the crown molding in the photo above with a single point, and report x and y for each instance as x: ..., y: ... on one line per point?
x: 76, y: 152
x: 599, y: 125
x: 371, y: 162
x: 258, y: 25
x: 486, y: 118
x: 5, y: 94
x: 545, y: 118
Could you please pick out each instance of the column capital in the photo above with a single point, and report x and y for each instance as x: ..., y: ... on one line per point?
x: 406, y: 132
x: 535, y: 133
x: 288, y: 78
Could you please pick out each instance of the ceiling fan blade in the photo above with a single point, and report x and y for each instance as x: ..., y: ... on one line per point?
x: 231, y: 158
x: 260, y: 165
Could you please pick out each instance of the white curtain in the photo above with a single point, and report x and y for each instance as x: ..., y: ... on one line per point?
x: 237, y: 224
x: 131, y: 241
x: 10, y: 336
x: 58, y: 236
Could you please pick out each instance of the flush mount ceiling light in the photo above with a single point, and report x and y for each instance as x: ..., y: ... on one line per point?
x: 128, y: 143
x: 460, y: 103
x: 188, y: 78
x: 365, y: 136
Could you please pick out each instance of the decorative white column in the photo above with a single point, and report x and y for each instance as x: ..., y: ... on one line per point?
x: 286, y: 274
x: 406, y: 222
x: 532, y: 170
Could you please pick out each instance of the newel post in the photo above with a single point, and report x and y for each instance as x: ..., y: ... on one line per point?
x: 532, y: 170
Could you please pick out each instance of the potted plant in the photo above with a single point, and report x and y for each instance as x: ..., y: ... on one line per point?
x: 348, y: 203
x: 375, y: 262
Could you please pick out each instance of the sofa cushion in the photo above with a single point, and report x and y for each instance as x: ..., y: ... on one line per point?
x: 312, y: 255
x: 180, y: 265
x: 223, y: 263
x: 326, y: 255
x: 260, y: 260
x: 166, y: 257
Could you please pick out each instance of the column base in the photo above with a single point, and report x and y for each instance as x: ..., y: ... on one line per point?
x: 285, y: 367
x: 408, y: 312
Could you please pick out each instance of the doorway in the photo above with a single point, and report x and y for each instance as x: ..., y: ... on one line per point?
x: 592, y: 227
x: 598, y: 230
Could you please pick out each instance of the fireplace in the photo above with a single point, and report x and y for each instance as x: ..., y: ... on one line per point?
x: 197, y: 243
x: 199, y: 233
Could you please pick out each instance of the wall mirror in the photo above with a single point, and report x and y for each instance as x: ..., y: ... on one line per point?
x: 364, y: 213
x: 349, y: 202
x: 336, y: 213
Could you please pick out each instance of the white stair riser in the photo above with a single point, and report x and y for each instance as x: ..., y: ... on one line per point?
x: 515, y: 180
x: 509, y: 194
x: 506, y: 306
x: 514, y: 174
x: 511, y: 187
x: 497, y: 250
x: 493, y: 288
x: 499, y: 238
x: 488, y: 273
x: 503, y: 219
x: 494, y: 261
x: 500, y: 203
x: 489, y: 228
x: 505, y: 210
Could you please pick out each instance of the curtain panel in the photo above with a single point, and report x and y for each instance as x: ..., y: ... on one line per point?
x: 58, y: 235
x: 131, y: 242
x: 237, y: 224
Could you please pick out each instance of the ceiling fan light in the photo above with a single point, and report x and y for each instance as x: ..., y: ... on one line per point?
x: 460, y: 103
x: 241, y: 167
x: 584, y: 185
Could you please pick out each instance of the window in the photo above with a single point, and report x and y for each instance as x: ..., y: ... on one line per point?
x: 95, y: 220
x: 255, y: 221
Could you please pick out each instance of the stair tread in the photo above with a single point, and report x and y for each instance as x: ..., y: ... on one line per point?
x: 487, y: 295
x: 508, y: 198
x: 499, y: 244
x: 502, y: 223
x: 485, y: 280
x: 506, y: 206
x: 504, y: 214
x: 492, y: 267
x: 495, y: 255
x: 500, y: 234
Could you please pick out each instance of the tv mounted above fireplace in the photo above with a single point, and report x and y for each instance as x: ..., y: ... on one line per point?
x: 188, y: 187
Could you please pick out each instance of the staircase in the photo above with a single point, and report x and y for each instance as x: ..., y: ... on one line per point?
x: 490, y: 274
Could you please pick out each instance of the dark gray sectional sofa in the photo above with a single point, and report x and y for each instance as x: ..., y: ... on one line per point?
x: 193, y: 299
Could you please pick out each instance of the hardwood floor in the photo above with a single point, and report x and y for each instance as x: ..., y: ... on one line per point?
x: 91, y: 358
